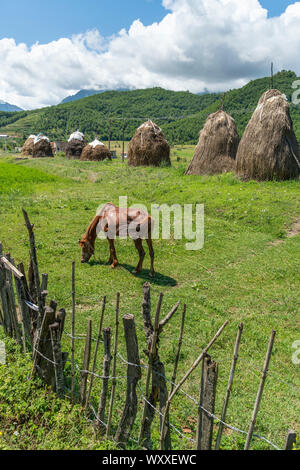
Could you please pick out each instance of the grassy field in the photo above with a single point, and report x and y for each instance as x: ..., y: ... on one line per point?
x: 247, y: 271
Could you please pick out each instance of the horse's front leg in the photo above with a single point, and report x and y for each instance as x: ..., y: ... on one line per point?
x: 139, y: 246
x: 113, y: 261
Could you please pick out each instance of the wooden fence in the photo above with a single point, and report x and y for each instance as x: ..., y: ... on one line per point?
x: 38, y: 328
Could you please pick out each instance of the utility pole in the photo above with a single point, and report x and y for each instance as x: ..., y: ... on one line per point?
x: 123, y: 143
x: 109, y: 134
x: 272, y: 75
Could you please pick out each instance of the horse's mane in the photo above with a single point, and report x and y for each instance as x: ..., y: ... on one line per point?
x: 91, y: 234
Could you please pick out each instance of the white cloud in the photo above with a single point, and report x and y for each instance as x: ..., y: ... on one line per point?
x: 200, y: 44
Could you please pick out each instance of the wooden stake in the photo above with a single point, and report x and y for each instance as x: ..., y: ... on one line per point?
x: 95, y: 354
x: 291, y: 440
x: 86, y: 363
x: 150, y: 367
x: 133, y: 376
x: 260, y: 391
x: 73, y: 333
x: 178, y: 350
x: 106, y: 371
x: 230, y: 383
x: 114, y: 382
x: 207, y: 401
x: 179, y: 385
x: 29, y: 227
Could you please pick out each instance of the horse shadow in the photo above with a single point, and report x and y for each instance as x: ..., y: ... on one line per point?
x: 159, y: 278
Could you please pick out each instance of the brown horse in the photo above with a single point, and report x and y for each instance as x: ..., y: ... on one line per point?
x: 117, y: 222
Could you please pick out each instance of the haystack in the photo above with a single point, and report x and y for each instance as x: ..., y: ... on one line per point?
x: 269, y: 149
x: 95, y: 151
x: 42, y: 147
x: 217, y: 146
x: 27, y: 148
x: 148, y: 147
x: 76, y: 144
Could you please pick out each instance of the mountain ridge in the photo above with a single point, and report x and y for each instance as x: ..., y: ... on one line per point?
x: 181, y: 115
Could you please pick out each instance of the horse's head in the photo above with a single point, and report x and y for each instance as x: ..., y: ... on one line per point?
x: 87, y: 250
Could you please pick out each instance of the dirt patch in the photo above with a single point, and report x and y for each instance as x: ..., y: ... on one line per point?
x: 292, y: 232
x: 295, y: 229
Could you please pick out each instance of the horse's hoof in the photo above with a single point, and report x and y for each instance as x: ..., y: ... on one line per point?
x: 135, y: 271
x: 152, y: 275
x: 113, y: 266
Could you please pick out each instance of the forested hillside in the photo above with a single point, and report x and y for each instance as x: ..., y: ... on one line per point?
x: 180, y: 114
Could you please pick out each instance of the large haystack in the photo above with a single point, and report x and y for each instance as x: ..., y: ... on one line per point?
x: 76, y: 144
x: 269, y: 149
x: 148, y: 147
x: 217, y: 146
x: 42, y: 147
x: 27, y: 148
x: 95, y: 151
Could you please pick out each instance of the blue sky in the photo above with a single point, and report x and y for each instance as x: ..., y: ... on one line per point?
x: 70, y: 45
x: 30, y: 21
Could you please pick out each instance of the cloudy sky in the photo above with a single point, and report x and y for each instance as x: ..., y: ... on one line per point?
x: 50, y: 50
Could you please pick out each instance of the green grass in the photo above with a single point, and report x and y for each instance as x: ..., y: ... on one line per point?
x: 239, y: 275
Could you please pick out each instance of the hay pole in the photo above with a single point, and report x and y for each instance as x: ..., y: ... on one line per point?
x: 183, y: 380
x: 260, y: 390
x: 33, y: 253
x: 150, y: 362
x: 230, y: 383
x: 134, y: 374
x: 73, y: 331
x: 99, y: 423
x: 123, y: 141
x: 95, y: 354
x: 86, y: 363
x: 114, y: 381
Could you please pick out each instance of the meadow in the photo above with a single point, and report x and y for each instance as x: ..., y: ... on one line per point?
x: 248, y: 271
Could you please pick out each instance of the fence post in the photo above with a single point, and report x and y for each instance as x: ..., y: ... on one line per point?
x: 260, y: 390
x: 156, y: 369
x: 24, y: 310
x: 35, y: 267
x: 3, y: 294
x: 230, y: 383
x: 95, y: 355
x: 114, y: 382
x: 86, y: 363
x: 57, y: 359
x: 42, y: 349
x: 291, y: 440
x: 207, y: 401
x: 133, y: 376
x: 148, y: 412
x: 99, y: 422
x: 184, y: 379
x: 73, y: 333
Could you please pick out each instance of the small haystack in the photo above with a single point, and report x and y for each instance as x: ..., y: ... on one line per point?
x: 269, y: 149
x: 27, y: 148
x: 95, y: 151
x: 148, y: 147
x: 42, y: 147
x: 76, y: 144
x: 217, y: 146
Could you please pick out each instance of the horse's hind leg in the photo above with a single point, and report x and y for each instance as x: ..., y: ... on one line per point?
x: 139, y: 246
x: 151, y: 253
x: 113, y: 255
